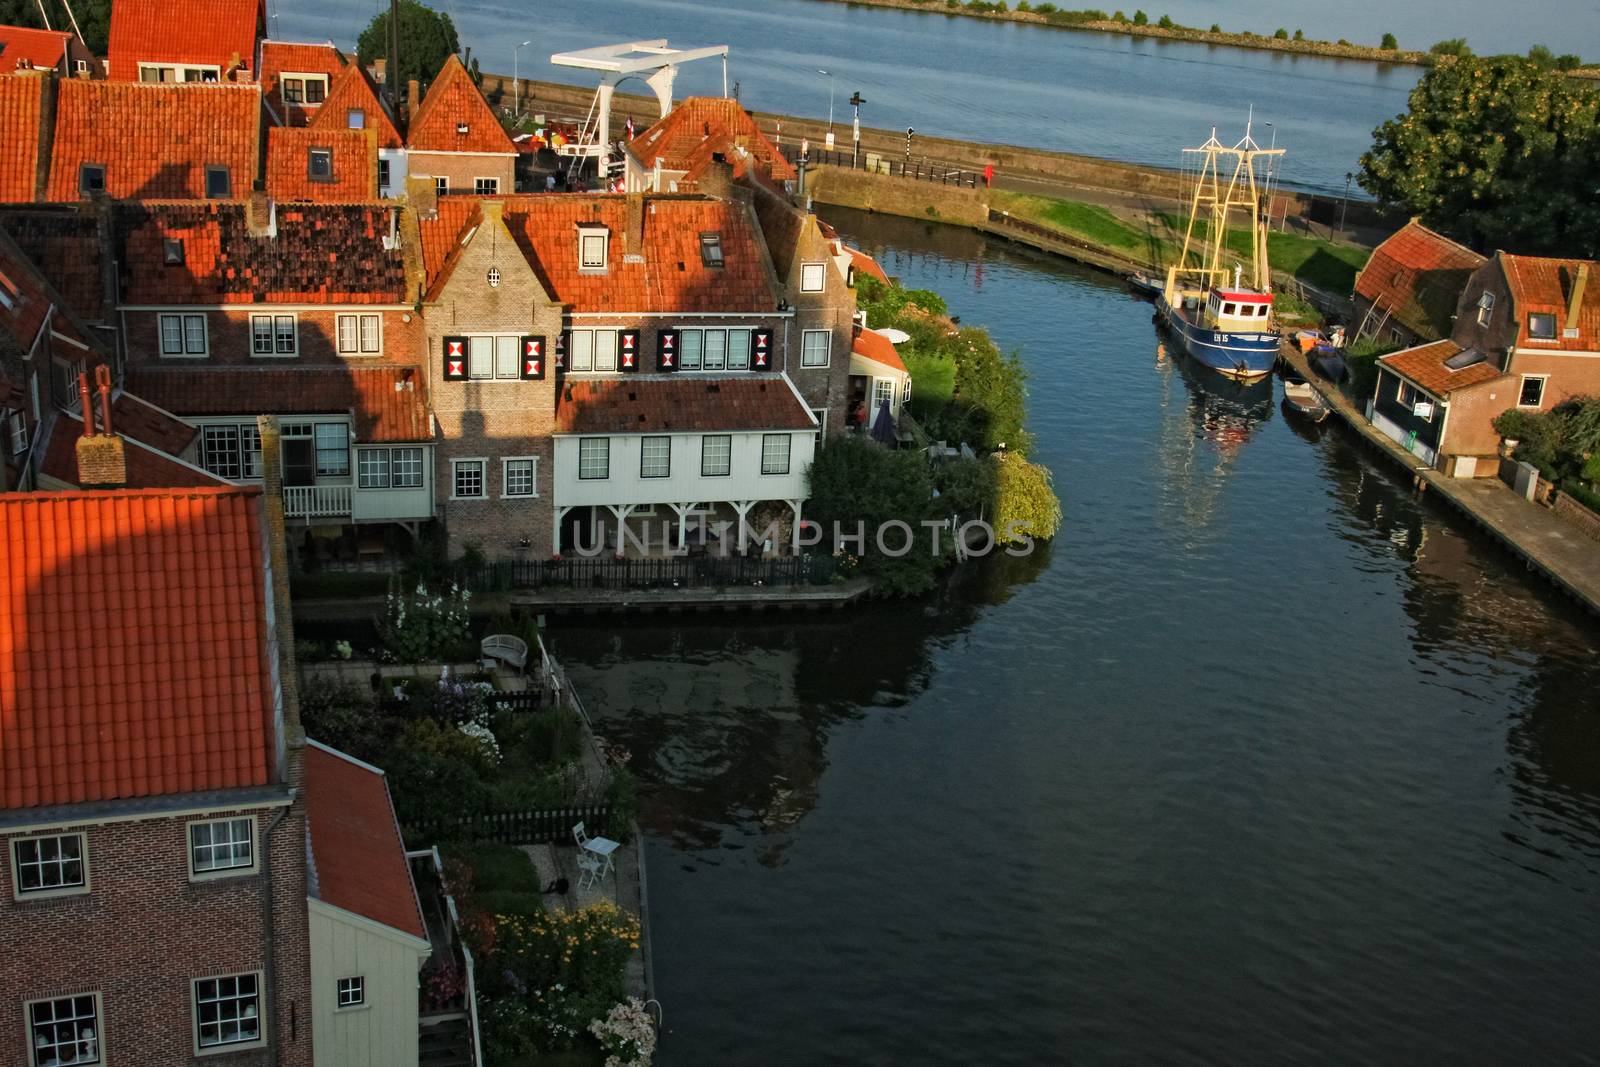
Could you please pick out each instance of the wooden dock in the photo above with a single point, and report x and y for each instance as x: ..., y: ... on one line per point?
x: 568, y: 600
x: 1548, y: 544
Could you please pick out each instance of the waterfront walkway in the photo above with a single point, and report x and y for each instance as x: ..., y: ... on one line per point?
x: 1548, y: 543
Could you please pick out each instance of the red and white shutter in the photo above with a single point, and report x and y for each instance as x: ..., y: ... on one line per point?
x: 628, y: 351
x: 666, y: 350
x: 561, y: 349
x: 532, y: 359
x: 455, y: 359
x: 761, y: 350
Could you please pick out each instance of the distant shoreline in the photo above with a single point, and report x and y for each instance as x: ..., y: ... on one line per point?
x: 1260, y: 42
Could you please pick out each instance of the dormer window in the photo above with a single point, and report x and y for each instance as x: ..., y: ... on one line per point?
x: 592, y: 248
x: 711, y: 249
x: 319, y: 164
x: 1542, y: 326
x: 1485, y: 309
x: 172, y: 252
x: 355, y: 119
x: 219, y: 185
x: 311, y: 89
x: 91, y: 178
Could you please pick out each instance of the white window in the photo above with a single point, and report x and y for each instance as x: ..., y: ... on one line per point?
x: 716, y: 350
x: 273, y: 335
x: 1485, y: 309
x: 183, y: 335
x: 221, y: 846
x: 227, y: 1011
x: 231, y: 451
x: 812, y: 277
x: 65, y: 1030
x: 821, y: 415
x: 372, y: 468
x: 15, y: 425
x: 352, y: 992
x: 405, y: 468
x: 493, y: 357
x: 738, y: 349
x: 507, y: 351
x: 178, y: 72
x: 389, y: 468
x: 882, y: 389
x: 594, y: 458
x: 655, y: 457
x: 716, y: 455
x: 774, y: 453
x: 580, y: 350
x: 46, y: 866
x: 814, y: 348
x: 605, y: 350
x: 480, y: 357
x: 690, y: 343
x: 441, y: 185
x: 905, y: 392
x: 592, y: 248
x: 486, y: 186
x: 333, y: 449
x: 1531, y: 395
x: 466, y: 479
x: 360, y: 335
x: 520, y: 476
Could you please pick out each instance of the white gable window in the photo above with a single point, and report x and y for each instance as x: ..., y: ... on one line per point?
x: 812, y: 277
x: 311, y: 89
x: 222, y: 847
x: 352, y: 991
x: 592, y: 248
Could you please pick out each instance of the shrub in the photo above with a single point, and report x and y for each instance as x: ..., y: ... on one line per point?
x: 433, y: 768
x: 1453, y: 46
x: 1141, y: 19
x: 1391, y: 42
x: 1280, y: 34
x: 1361, y: 357
x: 1166, y: 23
x: 1216, y: 27
x: 1299, y: 35
x: 1024, y: 500
x: 343, y: 716
x: 1587, y: 497
x: 856, y: 483
x: 586, y: 950
x: 421, y: 626
x: 966, y: 486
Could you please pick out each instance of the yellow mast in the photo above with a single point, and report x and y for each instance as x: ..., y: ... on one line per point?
x: 1219, y: 201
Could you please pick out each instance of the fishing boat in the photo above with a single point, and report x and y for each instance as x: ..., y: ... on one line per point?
x: 1220, y: 309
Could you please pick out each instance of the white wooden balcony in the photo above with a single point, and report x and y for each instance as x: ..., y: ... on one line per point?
x: 316, y: 502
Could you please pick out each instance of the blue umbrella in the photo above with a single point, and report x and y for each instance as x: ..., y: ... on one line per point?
x: 883, y: 425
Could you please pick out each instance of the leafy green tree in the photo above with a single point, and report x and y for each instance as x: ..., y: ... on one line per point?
x: 427, y: 39
x: 1141, y: 19
x: 1452, y: 46
x: 1025, y: 503
x: 1500, y: 151
x: 1299, y: 35
x: 94, y: 18
x: 1216, y: 27
x: 1391, y: 42
x: 988, y: 406
x: 1166, y: 23
x: 856, y: 482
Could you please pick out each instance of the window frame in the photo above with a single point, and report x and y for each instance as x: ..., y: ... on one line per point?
x: 456, y: 464
x: 666, y: 467
x: 1485, y: 308
x: 275, y: 322
x: 827, y: 348
x: 318, y: 448
x: 727, y: 471
x: 1522, y: 388
x: 441, y: 184
x: 212, y: 171
x: 478, y: 186
x: 533, y: 478
x: 712, y: 255
x: 212, y: 874
x: 85, y: 169
x: 582, y: 442
x: 312, y: 152
x: 184, y: 320
x: 259, y: 1041
x: 1555, y: 326
x: 99, y: 1026
x: 593, y: 233
x: 819, y: 271
x: 49, y: 892
x: 355, y: 112
x: 357, y: 320
x: 359, y: 987
x: 788, y: 452
x: 888, y: 394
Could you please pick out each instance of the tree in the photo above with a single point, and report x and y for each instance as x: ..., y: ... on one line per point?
x: 427, y: 39
x: 1500, y: 152
x: 1280, y: 34
x: 1166, y: 23
x: 1141, y: 19
x: 1452, y: 46
x: 1299, y: 35
x: 1390, y: 42
x: 1025, y: 503
x: 94, y: 18
x: 855, y: 481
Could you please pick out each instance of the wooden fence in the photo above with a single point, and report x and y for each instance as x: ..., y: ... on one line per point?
x: 553, y: 825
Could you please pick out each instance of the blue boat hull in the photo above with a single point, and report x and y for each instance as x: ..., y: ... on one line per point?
x: 1244, y: 356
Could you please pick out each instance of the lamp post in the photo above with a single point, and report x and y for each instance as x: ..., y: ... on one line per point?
x: 1272, y: 162
x: 1345, y: 203
x: 516, y: 81
x: 829, y: 76
x: 855, y: 152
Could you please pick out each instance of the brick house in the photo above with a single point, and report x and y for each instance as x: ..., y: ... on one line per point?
x: 296, y: 79
x: 153, y: 891
x: 1526, y: 335
x: 454, y: 139
x: 55, y: 51
x: 353, y: 104
x: 185, y: 40
x: 1406, y: 293
x: 675, y: 153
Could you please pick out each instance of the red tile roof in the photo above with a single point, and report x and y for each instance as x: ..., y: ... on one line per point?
x: 659, y: 404
x: 870, y: 344
x: 133, y: 647
x: 352, y: 91
x: 155, y: 140
x: 453, y: 101
x: 30, y: 302
x: 389, y: 404
x: 671, y: 276
x: 702, y: 126
x: 1547, y: 285
x: 1417, y: 277
x: 64, y: 243
x: 148, y: 467
x: 865, y: 264
x: 24, y: 47
x: 358, y: 860
x: 220, y: 33
x: 277, y: 57
x: 1425, y: 365
x: 355, y: 165
x: 321, y: 253
x: 21, y: 97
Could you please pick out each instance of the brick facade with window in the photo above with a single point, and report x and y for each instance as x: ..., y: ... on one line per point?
x: 322, y: 336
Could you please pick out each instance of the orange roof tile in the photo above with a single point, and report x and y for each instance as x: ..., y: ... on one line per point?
x: 702, y: 126
x: 1417, y: 276
x: 30, y: 301
x: 865, y: 264
x: 278, y: 57
x: 220, y: 33
x: 154, y: 140
x: 454, y: 117
x: 21, y: 99
x: 660, y: 404
x: 64, y: 243
x: 353, y: 91
x: 149, y: 467
x: 870, y: 344
x: 321, y: 253
x: 671, y: 275
x: 133, y: 647
x: 23, y: 47
x: 1547, y: 285
x: 389, y: 404
x: 358, y: 859
x: 354, y: 162
x: 1425, y: 365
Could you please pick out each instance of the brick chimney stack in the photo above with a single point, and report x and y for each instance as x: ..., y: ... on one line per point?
x: 294, y: 734
x: 102, y: 459
x: 717, y: 181
x: 413, y: 100
x: 633, y: 237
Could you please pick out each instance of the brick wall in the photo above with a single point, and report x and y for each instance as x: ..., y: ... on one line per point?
x: 229, y: 338
x: 491, y: 419
x: 1574, y: 512
x: 144, y: 932
x: 464, y: 168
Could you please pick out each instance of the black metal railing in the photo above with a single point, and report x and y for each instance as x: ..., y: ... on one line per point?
x: 532, y: 827
x: 918, y: 169
x: 688, y: 572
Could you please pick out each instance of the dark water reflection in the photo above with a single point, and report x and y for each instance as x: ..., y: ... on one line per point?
x: 1262, y: 761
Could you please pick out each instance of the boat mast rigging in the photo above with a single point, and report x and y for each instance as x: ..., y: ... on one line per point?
x: 1203, y: 251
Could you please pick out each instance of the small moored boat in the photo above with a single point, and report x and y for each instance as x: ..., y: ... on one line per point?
x: 1300, y: 399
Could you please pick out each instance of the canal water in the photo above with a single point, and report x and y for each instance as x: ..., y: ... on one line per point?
x: 1261, y: 761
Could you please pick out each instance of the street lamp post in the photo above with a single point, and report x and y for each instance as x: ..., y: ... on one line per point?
x: 1345, y: 203
x: 516, y: 81
x: 855, y: 152
x: 829, y: 76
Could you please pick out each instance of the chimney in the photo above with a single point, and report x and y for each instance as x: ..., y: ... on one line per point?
x: 413, y: 99
x: 633, y: 238
x: 380, y: 70
x: 717, y: 181
x: 1575, y: 302
x: 423, y: 196
x: 261, y: 216
x: 282, y: 616
x: 102, y: 461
